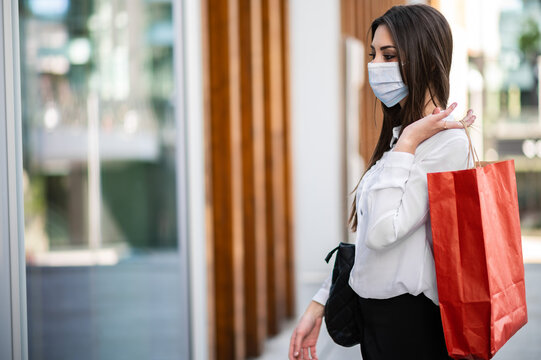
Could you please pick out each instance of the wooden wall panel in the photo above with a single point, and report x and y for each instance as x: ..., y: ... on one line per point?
x: 274, y: 148
x: 223, y: 117
x: 290, y: 246
x: 348, y: 16
x: 370, y: 109
x: 253, y: 145
x: 249, y: 224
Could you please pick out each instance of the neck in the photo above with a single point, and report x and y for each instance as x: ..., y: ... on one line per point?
x: 429, y: 109
x: 429, y: 105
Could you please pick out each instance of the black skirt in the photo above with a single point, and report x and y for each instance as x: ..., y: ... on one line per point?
x: 401, y: 328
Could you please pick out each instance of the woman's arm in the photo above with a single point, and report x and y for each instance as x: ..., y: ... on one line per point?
x: 398, y: 203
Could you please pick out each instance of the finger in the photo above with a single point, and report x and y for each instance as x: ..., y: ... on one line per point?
x: 437, y: 110
x: 443, y: 114
x: 292, y: 345
x: 295, y: 345
x: 469, y: 118
x: 313, y: 352
x: 447, y: 111
x: 305, y: 353
x: 458, y: 125
x: 298, y: 342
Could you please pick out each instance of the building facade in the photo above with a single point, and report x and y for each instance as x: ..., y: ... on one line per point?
x: 173, y: 172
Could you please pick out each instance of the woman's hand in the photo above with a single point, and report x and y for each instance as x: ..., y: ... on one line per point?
x: 304, y: 338
x: 422, y: 129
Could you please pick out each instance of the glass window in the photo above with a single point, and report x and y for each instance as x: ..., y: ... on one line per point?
x: 99, y: 146
x: 512, y: 117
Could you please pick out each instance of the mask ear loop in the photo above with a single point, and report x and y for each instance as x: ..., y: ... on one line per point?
x: 402, y: 64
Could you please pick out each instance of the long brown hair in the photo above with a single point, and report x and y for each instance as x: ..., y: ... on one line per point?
x: 425, y: 46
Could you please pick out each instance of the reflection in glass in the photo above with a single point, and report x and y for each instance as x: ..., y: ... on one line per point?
x: 99, y: 179
x: 505, y: 57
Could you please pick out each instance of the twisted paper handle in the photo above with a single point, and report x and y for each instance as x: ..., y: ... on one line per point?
x: 471, y: 149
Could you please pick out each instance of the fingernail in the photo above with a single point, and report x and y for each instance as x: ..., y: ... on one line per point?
x: 296, y: 354
x: 454, y: 105
x: 470, y: 111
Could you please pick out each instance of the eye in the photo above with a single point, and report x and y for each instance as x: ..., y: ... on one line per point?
x: 372, y: 56
x: 389, y: 57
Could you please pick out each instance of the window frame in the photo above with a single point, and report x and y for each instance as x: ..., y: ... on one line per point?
x: 13, y: 324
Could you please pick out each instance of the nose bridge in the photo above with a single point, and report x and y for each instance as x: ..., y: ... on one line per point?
x: 378, y: 58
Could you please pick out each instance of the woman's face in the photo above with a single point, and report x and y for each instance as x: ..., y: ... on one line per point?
x: 383, y: 48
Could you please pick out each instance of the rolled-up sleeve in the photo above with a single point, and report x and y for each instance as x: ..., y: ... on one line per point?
x: 323, y: 293
x: 398, y: 202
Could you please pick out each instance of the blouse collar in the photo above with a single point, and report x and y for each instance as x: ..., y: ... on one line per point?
x: 396, y: 133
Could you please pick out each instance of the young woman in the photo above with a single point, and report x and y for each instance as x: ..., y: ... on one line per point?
x: 394, y: 272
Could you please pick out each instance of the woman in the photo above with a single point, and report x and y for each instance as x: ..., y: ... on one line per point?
x: 394, y: 272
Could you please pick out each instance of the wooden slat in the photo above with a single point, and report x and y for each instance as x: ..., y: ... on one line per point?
x: 274, y: 148
x: 223, y: 109
x: 348, y: 17
x: 253, y: 157
x: 289, y: 240
x: 236, y: 191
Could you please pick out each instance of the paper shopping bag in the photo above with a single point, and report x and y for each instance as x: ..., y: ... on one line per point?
x: 478, y: 256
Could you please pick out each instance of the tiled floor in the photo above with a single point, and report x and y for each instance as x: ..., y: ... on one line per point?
x: 525, y: 345
x: 129, y: 311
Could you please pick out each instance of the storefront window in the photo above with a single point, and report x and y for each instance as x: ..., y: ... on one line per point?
x: 510, y: 67
x: 99, y: 149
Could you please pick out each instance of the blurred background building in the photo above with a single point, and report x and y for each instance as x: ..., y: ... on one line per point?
x: 173, y: 172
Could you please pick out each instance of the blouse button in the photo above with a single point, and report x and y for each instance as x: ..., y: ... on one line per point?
x: 362, y: 212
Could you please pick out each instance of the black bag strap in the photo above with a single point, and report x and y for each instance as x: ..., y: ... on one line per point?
x: 329, y: 255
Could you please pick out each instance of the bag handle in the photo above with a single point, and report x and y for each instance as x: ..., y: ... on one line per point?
x: 471, y: 149
x: 329, y: 255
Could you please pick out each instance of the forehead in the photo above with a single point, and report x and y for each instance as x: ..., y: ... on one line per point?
x: 382, y: 37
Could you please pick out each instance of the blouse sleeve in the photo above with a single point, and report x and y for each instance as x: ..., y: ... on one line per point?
x: 398, y: 202
x: 323, y: 293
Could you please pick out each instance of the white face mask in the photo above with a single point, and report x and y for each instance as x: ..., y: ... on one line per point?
x: 386, y: 82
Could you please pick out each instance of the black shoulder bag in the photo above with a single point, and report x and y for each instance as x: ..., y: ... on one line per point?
x: 342, y: 306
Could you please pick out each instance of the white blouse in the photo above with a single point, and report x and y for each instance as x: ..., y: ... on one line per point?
x: 394, y: 239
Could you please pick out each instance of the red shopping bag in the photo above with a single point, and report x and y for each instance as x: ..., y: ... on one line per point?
x: 478, y: 255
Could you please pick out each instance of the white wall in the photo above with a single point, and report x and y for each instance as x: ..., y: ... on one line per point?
x: 316, y: 138
x: 195, y: 168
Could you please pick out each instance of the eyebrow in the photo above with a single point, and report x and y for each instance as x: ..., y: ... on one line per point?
x: 384, y: 47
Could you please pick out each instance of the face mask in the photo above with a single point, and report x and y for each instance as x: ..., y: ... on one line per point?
x: 386, y: 82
